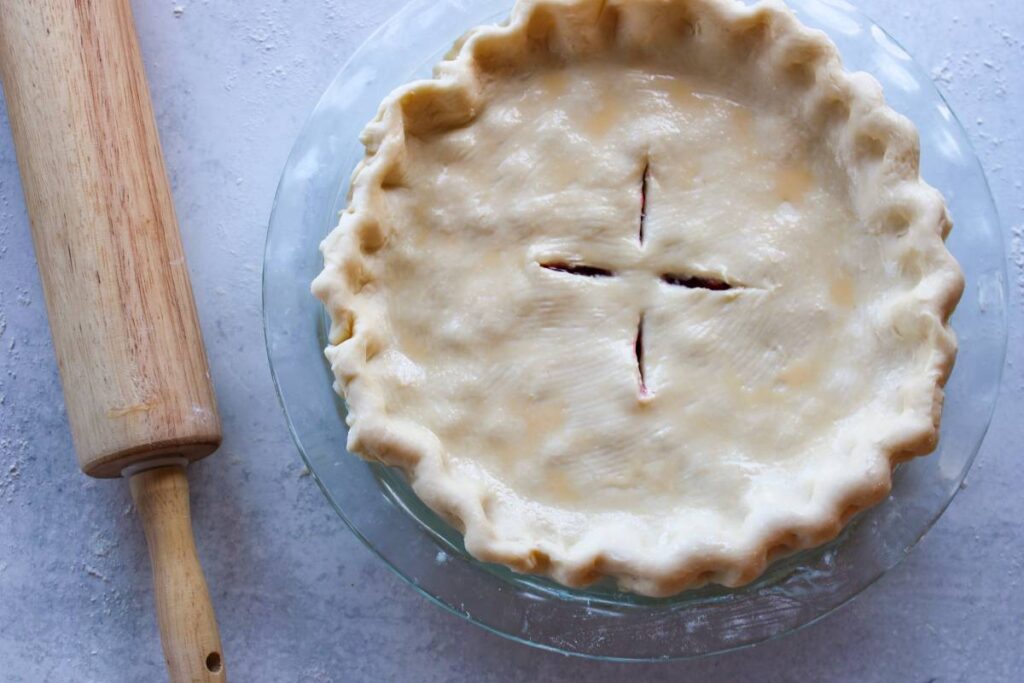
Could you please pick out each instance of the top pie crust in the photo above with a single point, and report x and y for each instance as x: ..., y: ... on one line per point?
x: 591, y: 170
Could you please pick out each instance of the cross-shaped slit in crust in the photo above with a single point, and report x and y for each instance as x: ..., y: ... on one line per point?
x: 687, y: 280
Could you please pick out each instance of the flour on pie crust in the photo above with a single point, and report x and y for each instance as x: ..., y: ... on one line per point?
x: 642, y: 289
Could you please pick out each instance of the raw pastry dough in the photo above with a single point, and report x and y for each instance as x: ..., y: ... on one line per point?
x: 643, y: 289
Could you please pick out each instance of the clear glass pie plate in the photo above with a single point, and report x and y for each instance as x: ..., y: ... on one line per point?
x: 379, y: 507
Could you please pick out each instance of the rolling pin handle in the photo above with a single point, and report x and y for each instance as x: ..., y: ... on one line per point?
x: 188, y: 627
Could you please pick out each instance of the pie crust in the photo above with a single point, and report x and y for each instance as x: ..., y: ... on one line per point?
x: 642, y: 289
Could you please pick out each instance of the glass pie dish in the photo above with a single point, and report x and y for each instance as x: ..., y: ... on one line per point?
x: 600, y: 621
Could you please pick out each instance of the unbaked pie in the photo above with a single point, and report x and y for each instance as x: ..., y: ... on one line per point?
x: 647, y: 289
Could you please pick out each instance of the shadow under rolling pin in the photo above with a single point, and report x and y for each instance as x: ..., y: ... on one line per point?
x: 135, y: 375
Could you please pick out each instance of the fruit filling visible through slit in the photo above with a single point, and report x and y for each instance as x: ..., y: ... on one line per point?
x: 695, y: 282
x: 639, y: 347
x: 573, y: 269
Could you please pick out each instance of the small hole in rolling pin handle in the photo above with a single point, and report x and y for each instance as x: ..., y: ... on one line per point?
x: 213, y: 663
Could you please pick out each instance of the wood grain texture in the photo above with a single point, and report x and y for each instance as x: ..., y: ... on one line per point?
x: 191, y: 639
x: 124, y: 324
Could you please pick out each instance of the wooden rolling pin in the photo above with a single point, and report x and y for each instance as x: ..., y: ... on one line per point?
x: 135, y: 375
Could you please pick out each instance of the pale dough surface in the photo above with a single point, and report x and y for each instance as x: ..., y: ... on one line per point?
x: 496, y: 266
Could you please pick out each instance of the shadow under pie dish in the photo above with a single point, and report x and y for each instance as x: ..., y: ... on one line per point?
x: 648, y: 290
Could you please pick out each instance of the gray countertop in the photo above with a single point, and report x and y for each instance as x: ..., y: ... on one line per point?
x: 298, y: 597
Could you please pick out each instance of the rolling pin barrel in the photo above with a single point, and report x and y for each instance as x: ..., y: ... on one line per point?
x: 136, y: 381
x: 124, y: 324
